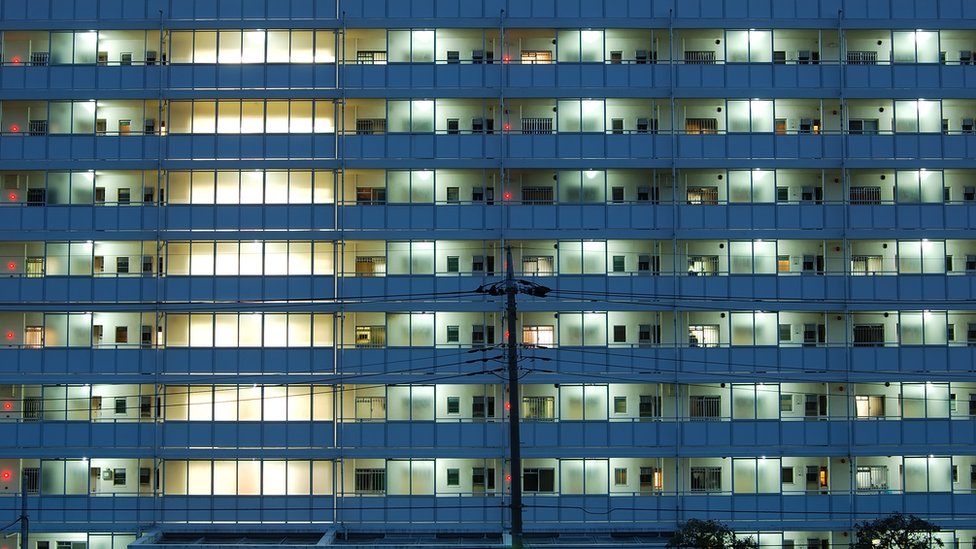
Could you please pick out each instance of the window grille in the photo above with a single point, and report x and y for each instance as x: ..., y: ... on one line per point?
x: 872, y: 477
x: 700, y: 57
x: 370, y: 337
x: 703, y: 335
x: 651, y: 479
x: 868, y: 335
x: 540, y: 408
x: 40, y: 58
x: 866, y: 265
x: 701, y: 125
x: 539, y: 265
x: 370, y: 265
x: 32, y: 408
x: 537, y: 195
x: 865, y: 195
x: 649, y: 334
x: 706, y: 479
x: 370, y: 126
x: 537, y: 125
x: 371, y: 57
x: 702, y: 195
x: 370, y: 480
x: 862, y: 57
x: 705, y: 407
x: 32, y: 479
x: 370, y: 196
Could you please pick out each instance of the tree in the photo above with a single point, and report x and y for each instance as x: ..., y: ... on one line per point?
x: 896, y: 531
x: 708, y: 534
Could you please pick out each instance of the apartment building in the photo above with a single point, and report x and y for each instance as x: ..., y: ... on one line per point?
x: 240, y: 243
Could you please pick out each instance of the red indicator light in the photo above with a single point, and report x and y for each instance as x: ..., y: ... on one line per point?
x: 15, y: 128
x: 11, y: 266
x: 507, y: 195
x: 508, y: 405
x: 12, y: 196
x: 5, y: 475
x: 507, y: 126
x: 10, y: 334
x: 7, y: 406
x: 506, y: 58
x: 508, y: 478
x: 16, y: 59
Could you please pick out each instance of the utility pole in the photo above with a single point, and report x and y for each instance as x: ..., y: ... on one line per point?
x: 23, y: 511
x: 514, y: 403
x: 509, y: 288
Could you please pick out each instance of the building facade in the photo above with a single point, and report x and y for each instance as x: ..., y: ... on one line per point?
x: 240, y: 243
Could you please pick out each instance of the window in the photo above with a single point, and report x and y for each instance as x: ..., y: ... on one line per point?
x: 617, y: 125
x: 620, y: 405
x: 370, y: 265
x: 483, y: 478
x: 539, y: 408
x: 620, y: 476
x: 704, y: 265
x: 700, y: 57
x: 453, y: 264
x: 32, y: 479
x: 866, y: 127
x: 366, y: 196
x: 971, y: 264
x: 785, y: 332
x: 700, y: 126
x: 814, y: 334
x: 370, y: 480
x: 453, y: 334
x: 145, y: 406
x: 703, y: 335
x: 706, y: 479
x: 34, y: 337
x: 783, y: 263
x: 34, y: 267
x: 121, y: 334
x: 536, y: 57
x: 537, y: 195
x: 478, y: 333
x: 971, y: 334
x: 453, y: 57
x: 952, y: 402
x: 454, y: 405
x: 122, y: 265
x: 649, y: 406
x: 815, y: 406
x: 704, y: 406
x: 865, y: 195
x: 786, y: 403
x: 869, y: 405
x: 125, y: 195
x: 118, y: 477
x: 145, y: 476
x: 786, y: 475
x: 619, y: 334
x: 453, y: 126
x: 539, y: 479
x: 862, y: 265
x: 862, y: 57
x: 539, y: 126
x: 538, y: 265
x: 370, y: 336
x: 370, y: 408
x: 453, y: 477
x: 120, y: 406
x: 649, y: 263
x: 616, y: 57
x: 453, y: 195
x: 374, y: 57
x: 651, y: 479
x: 616, y: 194
x: 872, y: 477
x: 868, y: 335
x: 648, y: 335
x: 538, y: 335
x: 482, y: 406
x: 646, y: 125
x: 618, y: 263
x: 972, y: 404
